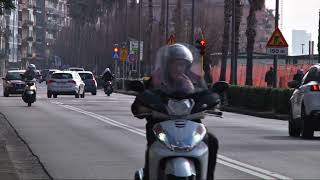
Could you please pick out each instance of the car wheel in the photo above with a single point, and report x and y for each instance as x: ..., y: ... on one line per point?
x: 77, y: 95
x: 49, y: 94
x: 5, y: 94
x: 55, y: 95
x: 82, y: 95
x: 306, y: 127
x: 94, y: 93
x: 294, y: 129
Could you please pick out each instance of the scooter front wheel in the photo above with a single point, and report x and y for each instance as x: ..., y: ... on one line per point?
x: 29, y: 104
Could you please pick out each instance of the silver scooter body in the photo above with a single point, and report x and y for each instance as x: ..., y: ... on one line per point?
x: 179, y: 151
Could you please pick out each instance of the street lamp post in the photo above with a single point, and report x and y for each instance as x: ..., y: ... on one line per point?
x: 302, y: 45
x: 275, y: 59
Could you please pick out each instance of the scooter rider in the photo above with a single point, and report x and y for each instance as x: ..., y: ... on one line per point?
x: 30, y: 73
x: 176, y: 76
x: 106, y: 75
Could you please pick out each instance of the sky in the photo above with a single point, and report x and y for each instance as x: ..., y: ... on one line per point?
x: 299, y: 15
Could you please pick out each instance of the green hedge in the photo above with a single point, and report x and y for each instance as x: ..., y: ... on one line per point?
x: 259, y: 98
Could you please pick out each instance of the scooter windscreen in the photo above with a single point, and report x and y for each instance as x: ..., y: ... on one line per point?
x: 180, y: 135
x: 178, y: 71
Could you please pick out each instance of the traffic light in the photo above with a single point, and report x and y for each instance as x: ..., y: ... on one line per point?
x: 201, y: 45
x: 116, y: 50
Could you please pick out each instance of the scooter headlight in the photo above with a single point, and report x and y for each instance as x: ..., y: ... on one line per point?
x: 161, y: 135
x: 198, y: 135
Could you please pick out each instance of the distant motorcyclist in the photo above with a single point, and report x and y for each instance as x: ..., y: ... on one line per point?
x: 30, y: 73
x: 175, y: 75
x: 107, y: 75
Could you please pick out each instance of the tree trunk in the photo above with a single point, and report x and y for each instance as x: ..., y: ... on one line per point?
x: 162, y: 23
x: 237, y: 35
x: 251, y: 35
x: 178, y: 21
x: 149, y: 38
x: 226, y: 39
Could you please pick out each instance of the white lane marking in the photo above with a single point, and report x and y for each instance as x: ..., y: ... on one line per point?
x: 249, y: 169
x: 269, y: 173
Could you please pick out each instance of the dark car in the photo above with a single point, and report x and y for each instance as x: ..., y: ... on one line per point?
x: 12, y: 83
x: 90, y: 82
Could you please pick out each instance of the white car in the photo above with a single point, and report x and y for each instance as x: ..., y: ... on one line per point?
x: 305, y: 104
x: 65, y: 83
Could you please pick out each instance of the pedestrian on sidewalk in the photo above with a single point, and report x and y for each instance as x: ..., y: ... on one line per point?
x: 298, y: 76
x: 269, y: 78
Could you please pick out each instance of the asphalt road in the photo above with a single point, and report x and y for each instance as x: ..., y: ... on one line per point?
x: 98, y: 138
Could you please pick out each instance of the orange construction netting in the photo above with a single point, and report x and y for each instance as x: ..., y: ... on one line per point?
x: 285, y: 73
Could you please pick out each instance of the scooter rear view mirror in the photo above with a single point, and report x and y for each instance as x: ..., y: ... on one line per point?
x: 219, y: 87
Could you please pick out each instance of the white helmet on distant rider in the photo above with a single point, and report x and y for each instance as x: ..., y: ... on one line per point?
x: 31, y: 67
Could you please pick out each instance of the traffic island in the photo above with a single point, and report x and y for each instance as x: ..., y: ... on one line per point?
x: 17, y: 161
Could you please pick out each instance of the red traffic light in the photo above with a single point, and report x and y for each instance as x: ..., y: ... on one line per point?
x: 202, y: 42
x: 116, y: 50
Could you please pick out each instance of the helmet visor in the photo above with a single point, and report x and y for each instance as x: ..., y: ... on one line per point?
x: 178, y: 70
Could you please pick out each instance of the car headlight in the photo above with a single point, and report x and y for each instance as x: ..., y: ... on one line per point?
x: 9, y: 84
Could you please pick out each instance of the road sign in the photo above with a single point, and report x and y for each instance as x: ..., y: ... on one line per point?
x: 277, y: 44
x: 134, y: 48
x: 123, y: 54
x: 172, y: 40
x: 115, y: 55
x: 132, y: 58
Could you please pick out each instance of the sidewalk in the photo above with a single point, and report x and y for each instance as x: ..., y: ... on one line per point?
x: 16, y: 159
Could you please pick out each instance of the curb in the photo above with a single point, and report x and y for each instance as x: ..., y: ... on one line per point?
x: 27, y: 164
x: 268, y: 115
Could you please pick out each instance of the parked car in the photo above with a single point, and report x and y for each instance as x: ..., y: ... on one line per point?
x: 49, y: 73
x: 305, y: 104
x: 75, y: 69
x: 65, y: 83
x: 12, y: 83
x: 90, y: 82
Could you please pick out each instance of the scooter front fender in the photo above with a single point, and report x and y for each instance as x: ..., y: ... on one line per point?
x: 180, y: 167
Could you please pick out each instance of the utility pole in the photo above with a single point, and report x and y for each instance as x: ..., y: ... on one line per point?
x: 233, y: 44
x: 139, y: 62
x: 302, y: 45
x: 275, y: 59
x: 192, y: 23
x: 167, y: 21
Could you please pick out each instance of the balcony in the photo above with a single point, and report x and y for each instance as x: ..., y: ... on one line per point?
x: 27, y: 23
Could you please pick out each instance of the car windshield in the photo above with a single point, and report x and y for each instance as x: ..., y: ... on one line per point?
x: 13, y: 76
x: 62, y: 76
x: 86, y: 76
